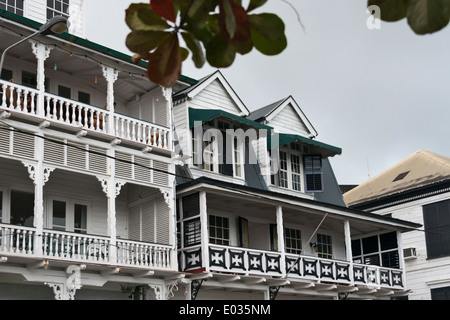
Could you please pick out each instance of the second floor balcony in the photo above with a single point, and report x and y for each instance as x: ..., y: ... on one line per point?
x: 82, y: 118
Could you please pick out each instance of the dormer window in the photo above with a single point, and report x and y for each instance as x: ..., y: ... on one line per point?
x: 215, y: 149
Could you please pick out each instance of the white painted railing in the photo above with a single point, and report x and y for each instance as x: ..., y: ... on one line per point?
x: 24, y: 100
x: 259, y: 262
x: 141, y: 131
x: 76, y: 247
x: 143, y: 254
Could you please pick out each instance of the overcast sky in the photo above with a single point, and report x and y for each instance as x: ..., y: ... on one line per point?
x: 380, y: 94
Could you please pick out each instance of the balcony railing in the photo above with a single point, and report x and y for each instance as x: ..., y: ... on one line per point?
x: 24, y: 100
x: 238, y: 260
x: 74, y: 247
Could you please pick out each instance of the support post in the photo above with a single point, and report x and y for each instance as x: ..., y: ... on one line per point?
x: 280, y: 234
x: 41, y: 53
x: 110, y: 75
x: 204, y: 229
x: 348, y: 247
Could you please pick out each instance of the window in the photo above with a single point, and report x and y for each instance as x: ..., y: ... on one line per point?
x: 295, y: 172
x: 22, y: 208
x: 440, y: 293
x: 57, y: 8
x: 324, y: 248
x: 64, y: 92
x: 84, y: 97
x: 313, y: 173
x: 436, y: 217
x: 215, y: 150
x: 219, y: 230
x: 69, y: 216
x: 192, y: 232
x: 290, y: 168
x: 191, y: 222
x: 293, y: 241
x: 380, y: 250
x: 283, y: 170
x: 14, y: 6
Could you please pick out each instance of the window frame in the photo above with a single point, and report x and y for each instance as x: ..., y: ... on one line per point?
x: 380, y: 255
x: 324, y: 246
x: 69, y: 214
x: 221, y: 227
x: 291, y: 173
x: 212, y: 149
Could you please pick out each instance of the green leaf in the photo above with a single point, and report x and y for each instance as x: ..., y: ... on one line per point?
x: 196, y: 48
x: 164, y: 64
x: 140, y: 16
x: 227, y: 14
x: 255, y: 4
x: 219, y: 52
x: 390, y: 10
x: 428, y: 16
x: 142, y: 42
x: 267, y: 31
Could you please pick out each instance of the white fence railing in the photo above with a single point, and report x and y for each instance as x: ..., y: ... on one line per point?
x: 259, y: 262
x: 24, y: 100
x: 76, y: 247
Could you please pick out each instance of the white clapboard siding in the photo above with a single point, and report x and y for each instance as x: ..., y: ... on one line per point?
x: 215, y: 96
x: 421, y: 272
x: 288, y: 121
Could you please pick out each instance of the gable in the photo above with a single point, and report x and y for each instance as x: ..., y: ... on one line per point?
x: 213, y: 92
x: 216, y: 96
x: 288, y: 121
x: 285, y: 116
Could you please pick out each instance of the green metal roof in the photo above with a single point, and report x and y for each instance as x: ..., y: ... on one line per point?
x: 284, y: 138
x: 82, y: 42
x: 205, y: 115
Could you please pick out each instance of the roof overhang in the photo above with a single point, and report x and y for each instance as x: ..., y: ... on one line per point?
x: 205, y: 115
x: 275, y: 198
x: 283, y: 139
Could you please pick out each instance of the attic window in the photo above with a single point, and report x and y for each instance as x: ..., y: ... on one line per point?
x: 400, y: 176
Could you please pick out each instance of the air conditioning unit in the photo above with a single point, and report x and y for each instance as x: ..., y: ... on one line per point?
x: 409, y: 253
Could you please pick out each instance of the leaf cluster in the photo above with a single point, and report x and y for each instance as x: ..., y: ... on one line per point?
x: 423, y: 16
x: 214, y: 31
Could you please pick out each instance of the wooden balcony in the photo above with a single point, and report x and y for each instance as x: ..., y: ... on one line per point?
x: 20, y: 242
x: 276, y: 265
x: 24, y: 101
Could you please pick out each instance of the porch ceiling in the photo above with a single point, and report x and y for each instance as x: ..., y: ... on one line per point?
x: 80, y: 64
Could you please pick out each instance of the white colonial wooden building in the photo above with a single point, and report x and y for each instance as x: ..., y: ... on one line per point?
x: 112, y: 184
x: 416, y: 189
x: 87, y: 184
x: 269, y: 221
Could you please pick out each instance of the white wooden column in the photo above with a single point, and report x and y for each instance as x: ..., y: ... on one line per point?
x: 41, y: 52
x: 111, y: 187
x: 204, y: 229
x: 39, y: 174
x: 401, y: 257
x: 110, y: 75
x: 280, y: 235
x: 348, y: 247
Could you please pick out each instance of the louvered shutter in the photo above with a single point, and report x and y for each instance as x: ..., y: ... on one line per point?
x: 313, y: 173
